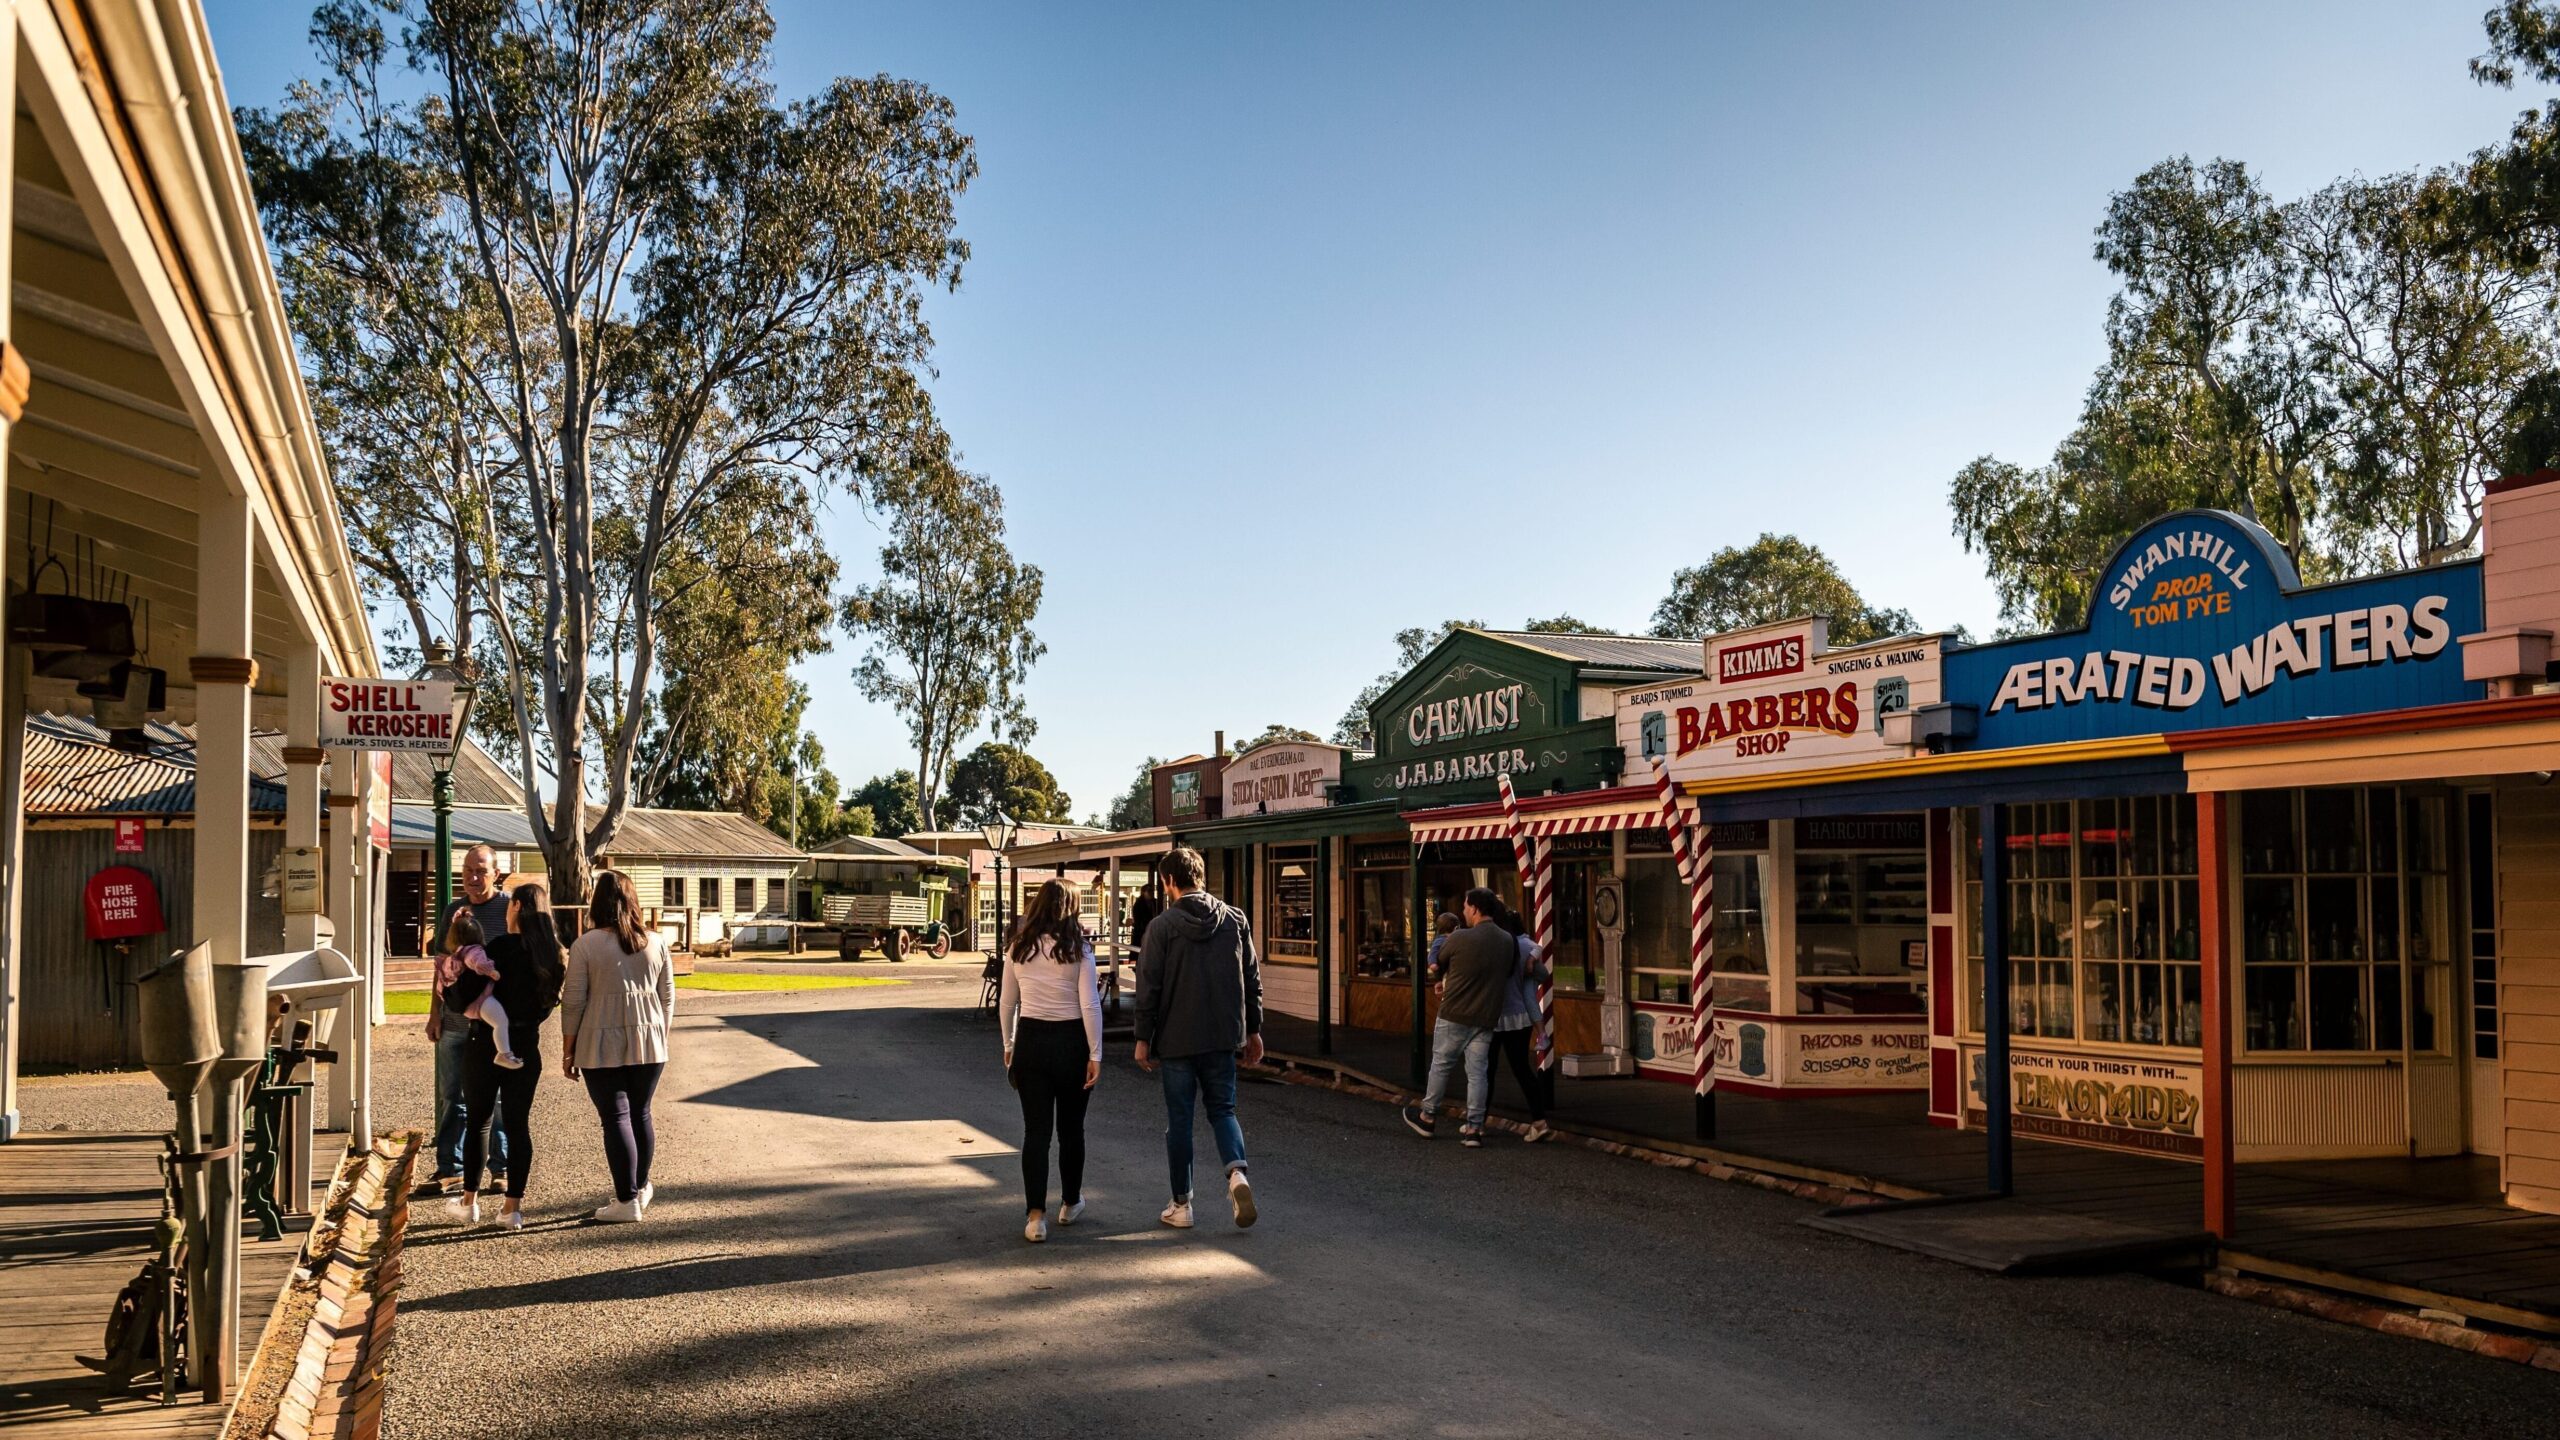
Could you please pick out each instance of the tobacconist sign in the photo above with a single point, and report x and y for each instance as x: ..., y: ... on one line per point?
x: 1779, y: 698
x: 2200, y: 621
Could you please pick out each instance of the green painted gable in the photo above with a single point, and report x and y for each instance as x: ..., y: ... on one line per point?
x: 1475, y: 707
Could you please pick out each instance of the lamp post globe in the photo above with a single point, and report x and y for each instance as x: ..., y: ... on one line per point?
x: 998, y: 833
x: 438, y: 663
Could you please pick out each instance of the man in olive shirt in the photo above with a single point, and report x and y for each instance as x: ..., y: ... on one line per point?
x: 1477, y: 963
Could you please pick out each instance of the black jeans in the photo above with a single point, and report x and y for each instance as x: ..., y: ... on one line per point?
x: 1516, y: 1047
x: 621, y: 1093
x: 506, y: 1095
x: 1048, y: 1068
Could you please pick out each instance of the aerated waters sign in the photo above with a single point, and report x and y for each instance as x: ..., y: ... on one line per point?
x: 2200, y: 621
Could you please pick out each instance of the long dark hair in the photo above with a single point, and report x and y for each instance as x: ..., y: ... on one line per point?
x: 1052, y: 915
x: 613, y: 907
x: 535, y: 929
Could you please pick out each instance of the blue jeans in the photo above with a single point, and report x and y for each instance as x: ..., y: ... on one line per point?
x: 453, y: 1118
x: 1450, y: 1042
x: 1210, y: 1080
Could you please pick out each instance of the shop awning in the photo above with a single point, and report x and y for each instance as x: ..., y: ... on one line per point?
x: 1369, y: 817
x: 1588, y: 812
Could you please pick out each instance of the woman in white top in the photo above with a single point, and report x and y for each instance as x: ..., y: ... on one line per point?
x: 615, y: 1004
x: 1050, y: 1011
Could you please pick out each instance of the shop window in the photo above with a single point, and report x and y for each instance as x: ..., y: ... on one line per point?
x: 2480, y: 876
x: 1289, y: 929
x: 1658, y: 933
x: 1743, y: 884
x: 2344, y: 933
x: 2101, y: 921
x: 709, y: 890
x: 1380, y: 923
x: 671, y: 893
x: 1577, y: 947
x: 776, y: 893
x: 1862, y: 925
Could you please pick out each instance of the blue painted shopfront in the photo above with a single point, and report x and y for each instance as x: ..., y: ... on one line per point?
x: 2200, y: 621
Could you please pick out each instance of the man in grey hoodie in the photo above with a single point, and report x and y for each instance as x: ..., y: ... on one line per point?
x: 1199, y: 1004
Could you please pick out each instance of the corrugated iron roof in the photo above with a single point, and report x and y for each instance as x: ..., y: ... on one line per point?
x: 73, y: 769
x: 698, y: 835
x: 414, y: 825
x: 1621, y: 652
x: 873, y: 847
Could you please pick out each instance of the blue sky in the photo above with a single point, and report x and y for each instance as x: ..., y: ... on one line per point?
x: 1292, y: 325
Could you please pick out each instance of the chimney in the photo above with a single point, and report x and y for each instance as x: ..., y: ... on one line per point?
x: 2519, y: 543
x: 1221, y: 751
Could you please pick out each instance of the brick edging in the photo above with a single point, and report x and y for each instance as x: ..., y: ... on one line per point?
x: 2520, y: 1349
x: 354, y: 1267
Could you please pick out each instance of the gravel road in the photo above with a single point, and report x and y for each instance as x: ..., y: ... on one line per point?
x: 836, y: 1250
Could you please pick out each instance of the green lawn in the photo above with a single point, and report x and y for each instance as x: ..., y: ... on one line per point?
x: 741, y: 980
x: 414, y: 1002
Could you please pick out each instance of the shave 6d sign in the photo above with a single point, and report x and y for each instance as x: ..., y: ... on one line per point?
x: 2200, y: 621
x: 1778, y: 698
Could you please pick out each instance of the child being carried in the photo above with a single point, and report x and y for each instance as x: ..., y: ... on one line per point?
x: 473, y: 990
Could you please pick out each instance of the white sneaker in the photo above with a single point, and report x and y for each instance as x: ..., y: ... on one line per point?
x: 1177, y: 1215
x: 510, y: 1062
x: 510, y: 1219
x: 1070, y: 1214
x: 647, y: 1194
x: 1036, y: 1229
x: 1240, y: 1193
x: 620, y: 1212
x: 465, y: 1209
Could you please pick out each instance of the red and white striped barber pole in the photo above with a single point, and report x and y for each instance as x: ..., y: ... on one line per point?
x: 1535, y: 857
x: 1696, y: 857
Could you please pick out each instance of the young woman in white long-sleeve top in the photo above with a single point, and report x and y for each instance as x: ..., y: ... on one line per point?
x: 1050, y: 1011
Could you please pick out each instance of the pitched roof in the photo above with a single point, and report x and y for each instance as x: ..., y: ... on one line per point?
x: 1614, y: 652
x: 697, y: 835
x: 73, y: 769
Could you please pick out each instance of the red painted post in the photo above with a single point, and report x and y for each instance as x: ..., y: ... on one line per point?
x: 2213, y: 887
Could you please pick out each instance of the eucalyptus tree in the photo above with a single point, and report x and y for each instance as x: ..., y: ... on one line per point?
x: 947, y: 626
x: 667, y: 276
x: 1776, y: 577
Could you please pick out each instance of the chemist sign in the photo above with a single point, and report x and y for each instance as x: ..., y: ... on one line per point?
x: 375, y: 714
x: 2200, y: 621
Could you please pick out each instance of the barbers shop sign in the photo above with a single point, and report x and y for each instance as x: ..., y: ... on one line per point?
x: 2200, y: 621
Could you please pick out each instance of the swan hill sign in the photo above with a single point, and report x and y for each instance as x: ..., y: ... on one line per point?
x: 2202, y: 622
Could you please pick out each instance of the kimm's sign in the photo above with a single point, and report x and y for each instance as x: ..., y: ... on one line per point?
x: 1779, y: 698
x: 2200, y: 621
x: 415, y: 715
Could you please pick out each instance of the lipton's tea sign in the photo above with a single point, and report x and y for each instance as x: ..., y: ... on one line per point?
x: 1778, y: 698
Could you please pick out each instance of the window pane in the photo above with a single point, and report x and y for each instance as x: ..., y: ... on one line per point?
x: 2333, y: 831
x: 2386, y: 1007
x: 2336, y: 906
x: 2146, y: 1005
x: 2178, y: 834
x: 2338, y: 1008
x: 671, y: 894
x: 1742, y: 937
x: 2142, y: 835
x: 2184, y: 935
x: 2427, y: 945
x: 2422, y: 830
x: 2101, y: 839
x: 1859, y: 998
x: 2102, y: 992
x: 2274, y: 1007
x: 746, y: 890
x: 2269, y: 844
x: 2382, y: 807
x: 2267, y: 921
x: 709, y: 891
x: 2386, y: 922
x: 2186, y: 1005
x: 2054, y: 1005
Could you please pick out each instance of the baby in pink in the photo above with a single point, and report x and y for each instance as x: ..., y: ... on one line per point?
x: 473, y: 990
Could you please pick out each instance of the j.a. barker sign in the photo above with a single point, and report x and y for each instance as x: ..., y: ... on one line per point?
x: 1471, y: 724
x: 2200, y: 621
x: 1778, y: 699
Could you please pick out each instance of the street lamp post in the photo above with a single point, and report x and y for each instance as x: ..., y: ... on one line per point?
x: 441, y: 665
x: 999, y: 833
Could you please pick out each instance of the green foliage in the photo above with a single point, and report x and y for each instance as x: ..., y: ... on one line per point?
x: 997, y: 776
x: 565, y: 291
x: 1135, y: 807
x: 1273, y: 733
x: 1776, y: 577
x: 2343, y: 369
x: 890, y: 801
x: 1565, y: 625
x: 949, y: 620
x: 1411, y: 645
